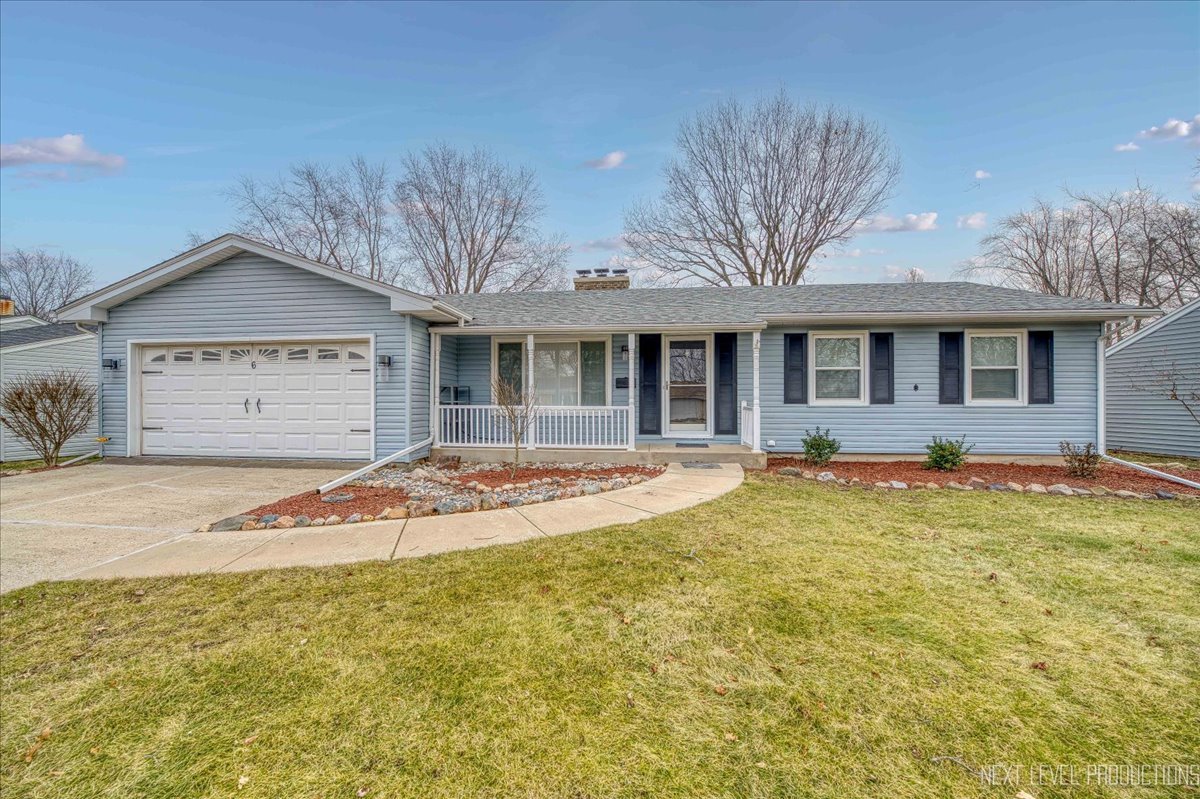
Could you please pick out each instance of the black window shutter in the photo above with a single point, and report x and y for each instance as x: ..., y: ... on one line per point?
x: 650, y: 358
x: 1041, y: 367
x: 725, y: 356
x: 950, y: 368
x: 882, y: 370
x: 795, y: 368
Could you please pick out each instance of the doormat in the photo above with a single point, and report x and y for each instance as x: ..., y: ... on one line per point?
x: 691, y: 446
x: 699, y: 465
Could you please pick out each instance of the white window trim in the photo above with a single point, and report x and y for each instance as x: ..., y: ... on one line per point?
x: 1022, y: 367
x: 576, y: 340
x: 863, y: 339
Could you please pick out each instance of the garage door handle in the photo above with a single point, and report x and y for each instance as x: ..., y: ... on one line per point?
x: 258, y: 404
x: 246, y: 405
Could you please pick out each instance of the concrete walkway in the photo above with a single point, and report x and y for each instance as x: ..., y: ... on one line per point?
x: 197, y: 553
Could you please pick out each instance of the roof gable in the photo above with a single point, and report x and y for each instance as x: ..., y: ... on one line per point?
x: 94, y: 307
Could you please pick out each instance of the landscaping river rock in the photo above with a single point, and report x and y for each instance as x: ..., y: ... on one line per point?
x: 404, y: 491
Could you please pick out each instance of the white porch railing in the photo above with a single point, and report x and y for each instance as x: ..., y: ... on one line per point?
x: 565, y: 427
x: 747, y: 426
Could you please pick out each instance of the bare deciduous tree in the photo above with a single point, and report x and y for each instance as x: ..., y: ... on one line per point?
x: 757, y: 191
x: 1170, y: 382
x: 518, y: 411
x: 338, y: 216
x: 1131, y: 247
x: 48, y: 409
x: 914, y: 275
x: 470, y: 224
x: 40, y: 282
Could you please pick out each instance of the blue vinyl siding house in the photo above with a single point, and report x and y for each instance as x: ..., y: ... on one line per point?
x: 235, y: 349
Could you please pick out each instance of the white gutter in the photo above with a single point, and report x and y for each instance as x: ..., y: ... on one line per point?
x: 958, y: 316
x: 357, y: 473
x: 80, y: 458
x: 1174, y: 478
x: 553, y: 329
x: 1101, y: 369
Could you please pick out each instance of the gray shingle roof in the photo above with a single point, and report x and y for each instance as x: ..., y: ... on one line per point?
x: 748, y: 305
x: 37, y: 333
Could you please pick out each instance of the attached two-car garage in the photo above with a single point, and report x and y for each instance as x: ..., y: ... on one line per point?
x: 297, y: 399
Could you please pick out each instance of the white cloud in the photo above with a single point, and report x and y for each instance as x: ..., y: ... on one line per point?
x: 982, y: 174
x: 905, y: 224
x: 616, y: 242
x: 1189, y: 130
x: 607, y: 161
x: 859, y: 253
x: 975, y: 221
x: 1127, y: 147
x: 66, y: 150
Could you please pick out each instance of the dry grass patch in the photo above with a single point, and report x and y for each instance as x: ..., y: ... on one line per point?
x: 787, y: 639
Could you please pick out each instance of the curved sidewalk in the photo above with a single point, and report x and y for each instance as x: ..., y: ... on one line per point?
x: 680, y: 486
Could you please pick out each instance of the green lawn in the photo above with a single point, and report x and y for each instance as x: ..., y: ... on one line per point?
x: 789, y: 639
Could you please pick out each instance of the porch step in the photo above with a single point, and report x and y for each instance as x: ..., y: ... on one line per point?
x: 660, y: 454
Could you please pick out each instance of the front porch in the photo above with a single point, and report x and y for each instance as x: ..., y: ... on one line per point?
x: 618, y: 397
x: 644, y: 452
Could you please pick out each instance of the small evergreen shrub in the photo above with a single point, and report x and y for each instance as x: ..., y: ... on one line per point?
x: 820, y: 447
x: 946, y: 454
x: 1081, y: 461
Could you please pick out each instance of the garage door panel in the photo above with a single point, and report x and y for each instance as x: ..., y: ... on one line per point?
x: 222, y: 405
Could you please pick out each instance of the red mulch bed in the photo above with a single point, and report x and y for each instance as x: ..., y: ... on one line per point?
x: 366, y: 500
x: 374, y: 500
x: 498, y: 477
x: 1111, y: 475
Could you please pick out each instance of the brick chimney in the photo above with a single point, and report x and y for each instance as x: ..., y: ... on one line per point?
x: 601, y: 278
x: 7, y: 306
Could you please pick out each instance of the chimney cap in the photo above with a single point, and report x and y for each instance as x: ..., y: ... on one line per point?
x: 621, y: 271
x: 583, y: 272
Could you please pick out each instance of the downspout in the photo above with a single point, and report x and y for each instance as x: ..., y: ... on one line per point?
x: 1101, y: 369
x: 1174, y: 478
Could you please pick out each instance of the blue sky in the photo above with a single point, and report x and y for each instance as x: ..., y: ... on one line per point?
x: 175, y: 101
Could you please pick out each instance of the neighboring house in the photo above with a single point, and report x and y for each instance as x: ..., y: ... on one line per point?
x: 29, y: 344
x: 1142, y: 372
x: 237, y: 349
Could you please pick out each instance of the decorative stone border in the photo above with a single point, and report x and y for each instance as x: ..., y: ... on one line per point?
x: 976, y: 484
x: 509, y: 495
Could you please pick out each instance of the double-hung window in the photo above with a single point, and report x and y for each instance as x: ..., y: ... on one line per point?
x: 996, y: 367
x: 837, y: 373
x: 564, y: 372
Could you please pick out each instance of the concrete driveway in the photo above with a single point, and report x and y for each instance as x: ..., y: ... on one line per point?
x: 56, y: 524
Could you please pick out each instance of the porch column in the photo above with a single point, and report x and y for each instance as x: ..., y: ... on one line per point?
x: 435, y: 389
x: 757, y: 445
x: 531, y: 433
x: 632, y: 426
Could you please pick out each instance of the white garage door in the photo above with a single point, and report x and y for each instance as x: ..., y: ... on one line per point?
x: 284, y: 400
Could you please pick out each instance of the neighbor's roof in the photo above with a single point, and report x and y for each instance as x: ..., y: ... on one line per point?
x: 756, y: 306
x: 39, y: 334
x: 1156, y: 326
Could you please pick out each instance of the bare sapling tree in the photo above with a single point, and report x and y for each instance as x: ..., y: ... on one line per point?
x: 48, y: 409
x: 757, y: 191
x: 518, y: 412
x: 40, y: 282
x: 1171, y: 382
x: 470, y: 224
x: 339, y: 216
x: 1124, y: 246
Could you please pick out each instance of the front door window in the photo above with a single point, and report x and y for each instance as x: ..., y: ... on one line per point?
x: 687, y: 386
